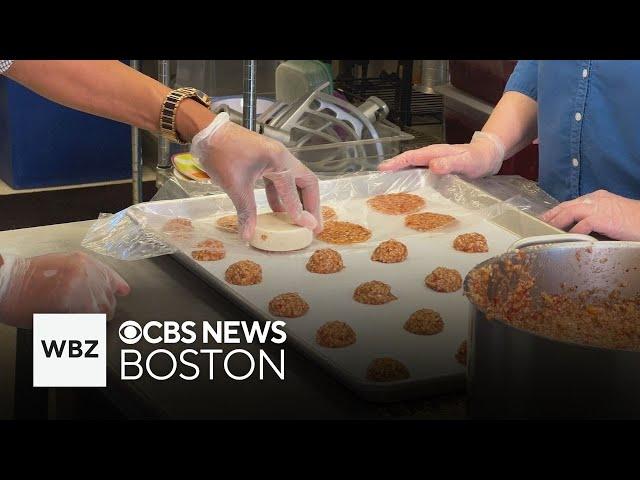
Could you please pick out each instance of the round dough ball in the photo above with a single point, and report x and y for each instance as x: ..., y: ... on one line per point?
x: 390, y: 251
x: 289, y: 305
x: 471, y: 243
x: 374, y: 292
x: 445, y: 280
x: 424, y: 322
x: 387, y: 369
x: 335, y: 334
x: 243, y: 273
x: 325, y: 260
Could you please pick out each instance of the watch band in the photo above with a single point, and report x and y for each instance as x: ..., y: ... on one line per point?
x: 170, y: 107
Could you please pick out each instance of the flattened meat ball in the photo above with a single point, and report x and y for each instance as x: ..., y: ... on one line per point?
x: 288, y: 305
x: 228, y: 223
x: 426, y: 221
x: 343, y: 233
x: 471, y: 243
x: 178, y: 227
x: 390, y: 251
x: 335, y: 335
x: 325, y: 260
x: 445, y: 280
x: 178, y: 224
x: 243, y: 273
x: 327, y: 213
x: 424, y: 322
x: 209, y: 251
x: 461, y: 354
x: 210, y: 244
x: 396, y: 203
x: 387, y: 369
x: 374, y: 292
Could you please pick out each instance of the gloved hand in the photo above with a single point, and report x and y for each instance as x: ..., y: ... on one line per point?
x: 236, y: 158
x: 56, y: 283
x: 601, y: 211
x: 480, y: 158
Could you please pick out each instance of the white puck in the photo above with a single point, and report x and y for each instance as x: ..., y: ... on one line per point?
x: 275, y: 232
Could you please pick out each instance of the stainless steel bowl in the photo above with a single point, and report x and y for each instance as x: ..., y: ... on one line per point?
x: 515, y: 373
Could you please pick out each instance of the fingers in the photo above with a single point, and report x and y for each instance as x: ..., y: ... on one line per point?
x: 599, y: 211
x: 584, y: 226
x: 404, y: 160
x: 272, y: 196
x: 310, y: 191
x: 549, y: 214
x: 100, y: 290
x: 119, y: 285
x: 102, y: 302
x: 611, y: 226
x: 568, y: 213
x: 600, y: 224
x: 288, y: 176
x: 104, y: 277
x: 245, y: 204
x: 285, y: 185
x: 451, y: 164
x: 558, y: 208
x: 420, y: 157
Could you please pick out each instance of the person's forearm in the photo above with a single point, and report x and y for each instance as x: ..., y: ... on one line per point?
x: 108, y: 89
x: 514, y: 120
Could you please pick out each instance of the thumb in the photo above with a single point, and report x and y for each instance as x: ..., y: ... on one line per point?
x: 245, y: 204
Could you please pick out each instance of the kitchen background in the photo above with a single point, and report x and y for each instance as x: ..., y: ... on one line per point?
x: 59, y: 165
x: 65, y: 158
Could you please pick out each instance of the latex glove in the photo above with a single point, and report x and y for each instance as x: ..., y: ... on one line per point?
x: 235, y: 158
x: 57, y: 283
x: 601, y: 211
x: 480, y: 158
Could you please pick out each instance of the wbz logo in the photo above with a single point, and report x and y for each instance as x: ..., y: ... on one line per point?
x: 69, y: 350
x: 74, y: 348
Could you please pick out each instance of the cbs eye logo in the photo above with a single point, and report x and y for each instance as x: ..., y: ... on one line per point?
x: 130, y: 332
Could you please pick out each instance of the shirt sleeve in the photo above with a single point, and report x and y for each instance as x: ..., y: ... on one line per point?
x: 5, y: 65
x: 524, y: 79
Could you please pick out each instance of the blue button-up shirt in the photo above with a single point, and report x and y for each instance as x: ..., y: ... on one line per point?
x: 588, y: 124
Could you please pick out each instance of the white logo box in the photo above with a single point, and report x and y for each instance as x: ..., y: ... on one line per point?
x: 84, y: 365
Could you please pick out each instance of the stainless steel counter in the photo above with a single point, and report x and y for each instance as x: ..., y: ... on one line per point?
x: 163, y: 290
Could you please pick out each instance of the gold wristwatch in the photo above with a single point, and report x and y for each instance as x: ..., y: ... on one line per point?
x: 170, y: 107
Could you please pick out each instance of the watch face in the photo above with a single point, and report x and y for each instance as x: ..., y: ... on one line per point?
x: 203, y: 97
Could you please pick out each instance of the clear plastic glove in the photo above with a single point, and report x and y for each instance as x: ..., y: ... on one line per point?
x: 602, y: 212
x: 235, y: 158
x: 56, y: 283
x: 480, y: 158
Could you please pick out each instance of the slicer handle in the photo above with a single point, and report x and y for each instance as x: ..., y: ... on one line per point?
x: 547, y: 239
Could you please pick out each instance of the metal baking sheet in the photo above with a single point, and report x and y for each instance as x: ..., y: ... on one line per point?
x: 379, y: 328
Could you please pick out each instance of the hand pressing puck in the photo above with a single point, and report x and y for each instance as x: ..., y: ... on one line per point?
x: 275, y: 232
